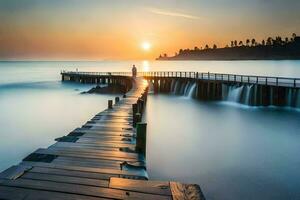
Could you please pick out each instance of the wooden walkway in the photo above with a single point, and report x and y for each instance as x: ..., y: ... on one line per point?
x: 96, y: 161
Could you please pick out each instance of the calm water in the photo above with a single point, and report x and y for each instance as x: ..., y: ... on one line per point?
x: 232, y: 151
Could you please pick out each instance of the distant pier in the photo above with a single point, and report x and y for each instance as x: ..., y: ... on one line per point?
x: 103, y: 159
x: 245, y: 89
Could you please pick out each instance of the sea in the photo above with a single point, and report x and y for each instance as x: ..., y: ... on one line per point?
x: 233, y: 151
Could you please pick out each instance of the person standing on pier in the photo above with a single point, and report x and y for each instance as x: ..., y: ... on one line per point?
x: 134, y: 71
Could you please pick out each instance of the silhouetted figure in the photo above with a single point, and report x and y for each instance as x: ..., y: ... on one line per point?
x: 134, y: 71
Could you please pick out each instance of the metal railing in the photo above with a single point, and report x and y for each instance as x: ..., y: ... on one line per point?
x: 262, y: 80
x: 96, y: 73
x: 236, y: 78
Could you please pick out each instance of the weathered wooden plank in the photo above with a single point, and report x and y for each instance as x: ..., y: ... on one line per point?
x: 73, y: 173
x: 86, y: 163
x: 182, y: 191
x: 65, y: 179
x: 136, y: 174
x: 104, y: 132
x: 151, y: 187
x: 14, y: 193
x: 80, y: 189
x: 95, y: 157
x: 96, y: 153
x: 14, y: 172
x: 84, y: 146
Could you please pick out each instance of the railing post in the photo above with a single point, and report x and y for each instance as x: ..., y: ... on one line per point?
x: 276, y: 81
x: 257, y: 80
x: 295, y: 83
x: 266, y: 80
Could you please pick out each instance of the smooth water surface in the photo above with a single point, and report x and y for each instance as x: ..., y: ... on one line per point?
x: 232, y: 151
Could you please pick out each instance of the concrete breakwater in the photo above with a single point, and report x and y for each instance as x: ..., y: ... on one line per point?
x: 249, y: 90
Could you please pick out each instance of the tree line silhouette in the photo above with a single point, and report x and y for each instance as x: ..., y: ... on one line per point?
x: 270, y: 48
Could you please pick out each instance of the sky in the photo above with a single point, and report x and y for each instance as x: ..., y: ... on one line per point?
x: 119, y: 29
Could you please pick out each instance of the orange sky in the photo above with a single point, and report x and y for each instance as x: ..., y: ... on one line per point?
x: 98, y: 29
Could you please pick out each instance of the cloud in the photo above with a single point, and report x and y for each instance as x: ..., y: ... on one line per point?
x: 171, y: 13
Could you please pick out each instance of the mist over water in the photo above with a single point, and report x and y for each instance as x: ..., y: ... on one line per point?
x: 233, y: 151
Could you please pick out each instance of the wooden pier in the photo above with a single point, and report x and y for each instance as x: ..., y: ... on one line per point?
x: 264, y: 91
x: 104, y: 159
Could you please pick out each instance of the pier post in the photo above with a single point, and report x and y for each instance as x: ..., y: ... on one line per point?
x: 137, y: 117
x: 110, y: 104
x: 141, y: 129
x: 134, y: 109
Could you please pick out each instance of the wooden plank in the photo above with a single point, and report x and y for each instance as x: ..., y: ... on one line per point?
x: 84, y: 146
x: 80, y: 189
x: 182, y: 191
x: 137, y: 174
x: 114, y: 157
x: 99, y: 153
x: 150, y: 187
x: 14, y: 172
x: 73, y: 173
x: 65, y: 179
x: 14, y: 193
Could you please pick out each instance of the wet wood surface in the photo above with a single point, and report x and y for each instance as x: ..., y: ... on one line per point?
x: 92, y: 162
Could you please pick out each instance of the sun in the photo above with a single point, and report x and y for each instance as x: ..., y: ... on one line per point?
x: 146, y: 46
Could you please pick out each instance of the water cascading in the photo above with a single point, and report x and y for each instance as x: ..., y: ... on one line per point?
x: 289, y: 97
x: 176, y: 87
x: 248, y: 94
x: 186, y: 89
x: 191, y: 91
x: 182, y: 88
x: 173, y: 85
x: 234, y: 93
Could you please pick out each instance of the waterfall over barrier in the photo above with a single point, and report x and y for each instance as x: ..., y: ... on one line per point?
x: 244, y: 93
x: 252, y: 95
x: 191, y: 90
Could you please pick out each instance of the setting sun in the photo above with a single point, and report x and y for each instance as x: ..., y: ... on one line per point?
x: 146, y: 46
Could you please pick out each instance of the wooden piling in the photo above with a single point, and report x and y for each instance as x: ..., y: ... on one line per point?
x: 141, y: 130
x: 117, y: 99
x: 110, y: 104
